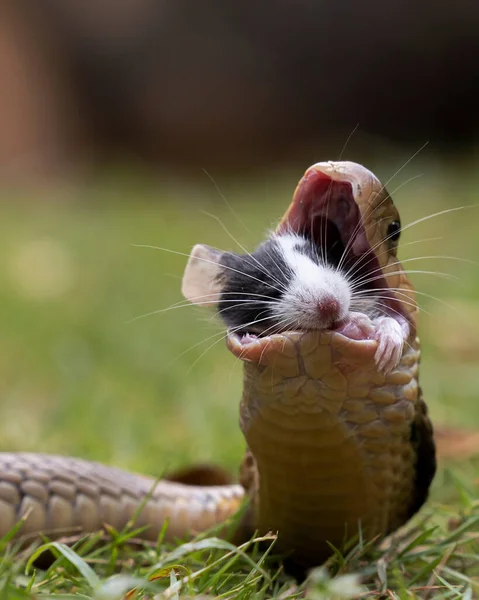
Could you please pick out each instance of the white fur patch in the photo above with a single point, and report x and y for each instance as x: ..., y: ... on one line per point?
x: 313, y: 283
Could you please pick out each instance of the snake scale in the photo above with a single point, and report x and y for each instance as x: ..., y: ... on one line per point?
x: 332, y: 442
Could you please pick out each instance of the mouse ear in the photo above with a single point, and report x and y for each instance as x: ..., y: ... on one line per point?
x: 201, y: 283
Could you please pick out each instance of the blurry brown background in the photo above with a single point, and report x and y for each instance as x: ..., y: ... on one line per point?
x: 231, y: 85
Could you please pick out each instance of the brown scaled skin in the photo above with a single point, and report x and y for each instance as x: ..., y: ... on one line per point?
x: 332, y: 443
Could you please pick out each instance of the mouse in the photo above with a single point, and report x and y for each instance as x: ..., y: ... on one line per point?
x: 289, y: 283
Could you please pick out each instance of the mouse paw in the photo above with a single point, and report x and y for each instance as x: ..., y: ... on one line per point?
x: 357, y: 326
x: 390, y: 335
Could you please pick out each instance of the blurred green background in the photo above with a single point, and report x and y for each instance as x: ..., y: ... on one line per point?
x: 82, y: 374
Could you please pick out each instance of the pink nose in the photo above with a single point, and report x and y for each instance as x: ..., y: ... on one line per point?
x: 328, y: 308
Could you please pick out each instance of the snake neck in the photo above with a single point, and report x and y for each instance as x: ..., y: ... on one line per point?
x: 331, y: 452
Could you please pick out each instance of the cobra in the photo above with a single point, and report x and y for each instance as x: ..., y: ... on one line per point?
x: 332, y: 442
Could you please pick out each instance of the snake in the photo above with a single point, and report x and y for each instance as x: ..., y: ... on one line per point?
x: 333, y: 444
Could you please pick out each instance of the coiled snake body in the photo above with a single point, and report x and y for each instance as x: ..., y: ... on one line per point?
x: 332, y: 441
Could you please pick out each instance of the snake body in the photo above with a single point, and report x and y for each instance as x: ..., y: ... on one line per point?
x: 332, y: 442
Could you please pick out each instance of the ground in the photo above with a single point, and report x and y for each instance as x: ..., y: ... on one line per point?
x: 84, y: 372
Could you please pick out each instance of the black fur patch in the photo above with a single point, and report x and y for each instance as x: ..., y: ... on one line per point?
x: 250, y: 280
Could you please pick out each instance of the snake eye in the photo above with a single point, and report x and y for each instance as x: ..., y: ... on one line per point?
x: 394, y: 231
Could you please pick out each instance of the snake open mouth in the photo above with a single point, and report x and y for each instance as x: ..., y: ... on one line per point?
x: 325, y: 209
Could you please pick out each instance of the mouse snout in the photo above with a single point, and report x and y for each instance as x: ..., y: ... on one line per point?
x: 329, y: 308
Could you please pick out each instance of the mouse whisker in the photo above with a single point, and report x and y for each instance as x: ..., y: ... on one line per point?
x: 409, y: 225
x: 443, y: 256
x: 371, y: 301
x: 437, y: 257
x: 202, y: 259
x: 372, y: 305
x: 348, y: 139
x: 413, y: 242
x: 258, y: 264
x: 324, y: 221
x: 208, y: 299
x: 242, y: 305
x: 405, y: 164
x: 386, y: 251
x: 434, y: 257
x: 223, y: 337
x: 282, y: 326
x: 278, y: 328
x: 365, y: 280
x: 223, y: 197
x: 192, y: 347
x: 438, y: 214
x: 399, y: 291
x: 370, y: 210
x: 215, y: 335
x: 404, y: 183
x: 378, y: 275
x: 279, y: 287
x: 273, y: 259
x: 387, y: 309
x: 248, y: 301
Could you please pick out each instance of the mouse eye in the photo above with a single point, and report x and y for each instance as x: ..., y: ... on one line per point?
x: 394, y: 231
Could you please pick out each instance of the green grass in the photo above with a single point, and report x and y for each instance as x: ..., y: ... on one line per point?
x: 435, y: 558
x: 79, y: 376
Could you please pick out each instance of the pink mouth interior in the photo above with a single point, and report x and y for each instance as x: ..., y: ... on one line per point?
x: 319, y: 198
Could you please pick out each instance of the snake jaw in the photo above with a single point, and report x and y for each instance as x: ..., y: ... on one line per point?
x: 358, y: 337
x: 350, y: 340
